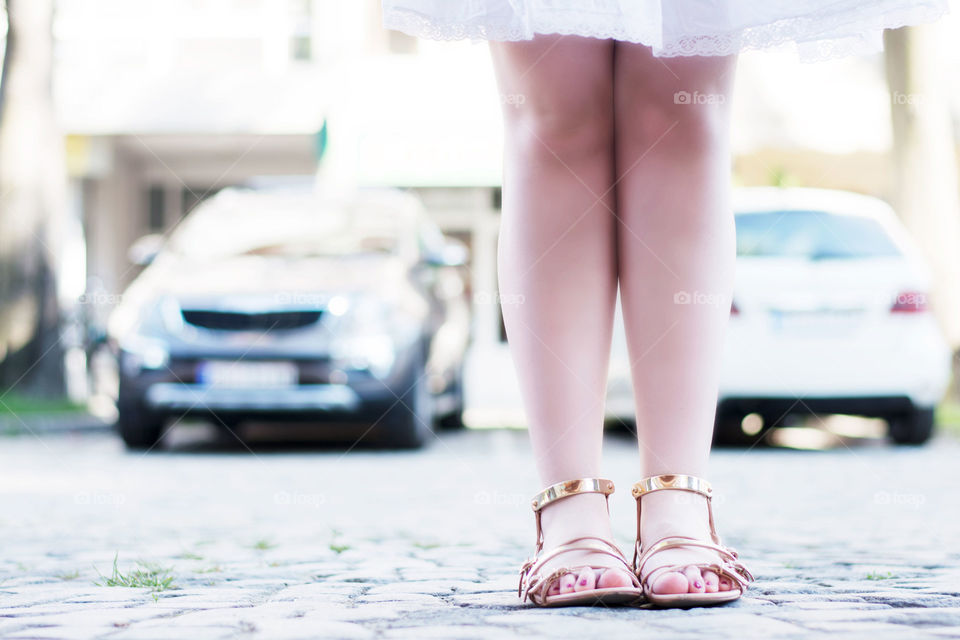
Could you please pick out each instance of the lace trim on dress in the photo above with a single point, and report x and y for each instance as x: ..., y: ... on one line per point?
x: 818, y: 37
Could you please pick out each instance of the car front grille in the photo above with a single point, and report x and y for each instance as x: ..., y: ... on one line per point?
x: 243, y: 321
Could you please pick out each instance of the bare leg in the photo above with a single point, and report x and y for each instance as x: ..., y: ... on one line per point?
x: 557, y: 265
x: 676, y: 252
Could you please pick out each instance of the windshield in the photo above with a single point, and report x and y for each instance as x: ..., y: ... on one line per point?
x: 291, y: 234
x: 811, y: 235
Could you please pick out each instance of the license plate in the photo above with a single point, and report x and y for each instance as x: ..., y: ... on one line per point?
x: 247, y: 374
x: 827, y: 324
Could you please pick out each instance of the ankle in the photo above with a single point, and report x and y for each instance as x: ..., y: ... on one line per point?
x: 667, y: 512
x: 583, y: 514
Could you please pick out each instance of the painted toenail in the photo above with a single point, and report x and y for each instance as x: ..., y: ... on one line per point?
x: 697, y: 584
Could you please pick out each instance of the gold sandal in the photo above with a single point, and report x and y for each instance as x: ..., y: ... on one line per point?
x: 729, y: 565
x: 535, y: 586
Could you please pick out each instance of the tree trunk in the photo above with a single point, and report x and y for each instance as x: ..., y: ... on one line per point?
x: 32, y: 205
x: 926, y: 194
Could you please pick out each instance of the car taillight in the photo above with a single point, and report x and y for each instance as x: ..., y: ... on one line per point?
x: 909, y: 302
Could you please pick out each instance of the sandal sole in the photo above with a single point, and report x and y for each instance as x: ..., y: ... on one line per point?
x: 689, y: 600
x: 611, y: 596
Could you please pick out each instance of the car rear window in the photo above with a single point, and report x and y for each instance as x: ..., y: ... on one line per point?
x: 811, y: 235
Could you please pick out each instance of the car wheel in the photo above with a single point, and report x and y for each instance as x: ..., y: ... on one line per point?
x: 454, y: 419
x: 408, y: 423
x: 914, y: 427
x: 138, y: 428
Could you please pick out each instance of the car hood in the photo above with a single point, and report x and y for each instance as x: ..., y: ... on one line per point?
x: 259, y: 275
x: 253, y: 283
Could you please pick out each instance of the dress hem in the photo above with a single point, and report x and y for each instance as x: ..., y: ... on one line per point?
x: 818, y: 38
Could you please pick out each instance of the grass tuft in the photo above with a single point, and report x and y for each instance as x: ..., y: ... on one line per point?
x: 426, y: 546
x: 146, y: 576
x: 263, y: 545
x: 876, y: 575
x: 211, y: 569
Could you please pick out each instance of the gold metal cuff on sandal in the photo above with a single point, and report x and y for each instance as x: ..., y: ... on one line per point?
x: 673, y: 481
x: 571, y: 488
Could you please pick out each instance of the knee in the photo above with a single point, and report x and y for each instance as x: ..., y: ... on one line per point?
x: 567, y: 127
x: 681, y: 120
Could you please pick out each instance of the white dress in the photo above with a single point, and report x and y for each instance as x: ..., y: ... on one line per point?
x: 821, y: 28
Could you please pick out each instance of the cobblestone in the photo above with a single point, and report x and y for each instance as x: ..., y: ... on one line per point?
x: 857, y: 541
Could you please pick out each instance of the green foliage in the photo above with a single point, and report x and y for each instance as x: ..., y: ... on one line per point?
x: 780, y: 177
x: 146, y: 576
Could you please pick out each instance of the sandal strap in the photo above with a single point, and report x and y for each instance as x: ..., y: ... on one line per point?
x: 566, y: 489
x: 737, y: 574
x: 671, y: 542
x: 585, y: 543
x: 530, y: 579
x: 672, y: 481
x: 537, y: 590
x: 729, y: 566
x: 569, y: 488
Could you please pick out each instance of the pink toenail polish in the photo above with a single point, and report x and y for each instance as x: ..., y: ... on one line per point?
x: 583, y: 581
x: 697, y: 584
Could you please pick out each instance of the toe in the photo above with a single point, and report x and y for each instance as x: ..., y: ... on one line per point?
x: 567, y: 582
x: 586, y: 580
x: 725, y: 584
x: 711, y: 581
x: 671, y: 582
x: 694, y: 579
x: 554, y: 589
x: 612, y: 578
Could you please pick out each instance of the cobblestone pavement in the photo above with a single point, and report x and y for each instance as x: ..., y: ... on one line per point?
x: 858, y: 541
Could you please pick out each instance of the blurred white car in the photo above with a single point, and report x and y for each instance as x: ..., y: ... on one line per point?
x: 830, y: 314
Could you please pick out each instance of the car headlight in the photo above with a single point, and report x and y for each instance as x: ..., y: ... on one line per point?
x: 144, y: 353
x: 365, y: 342
x: 374, y: 353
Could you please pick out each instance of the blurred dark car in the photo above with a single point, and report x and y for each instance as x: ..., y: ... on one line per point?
x: 284, y: 304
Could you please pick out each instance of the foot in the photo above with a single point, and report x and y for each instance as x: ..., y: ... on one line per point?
x: 574, y: 517
x: 680, y: 513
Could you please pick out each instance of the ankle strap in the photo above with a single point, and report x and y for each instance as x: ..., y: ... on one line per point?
x: 569, y: 488
x: 673, y: 481
x: 566, y: 489
x: 676, y: 482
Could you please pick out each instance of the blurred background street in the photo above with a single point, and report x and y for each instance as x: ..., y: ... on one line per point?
x: 153, y: 110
